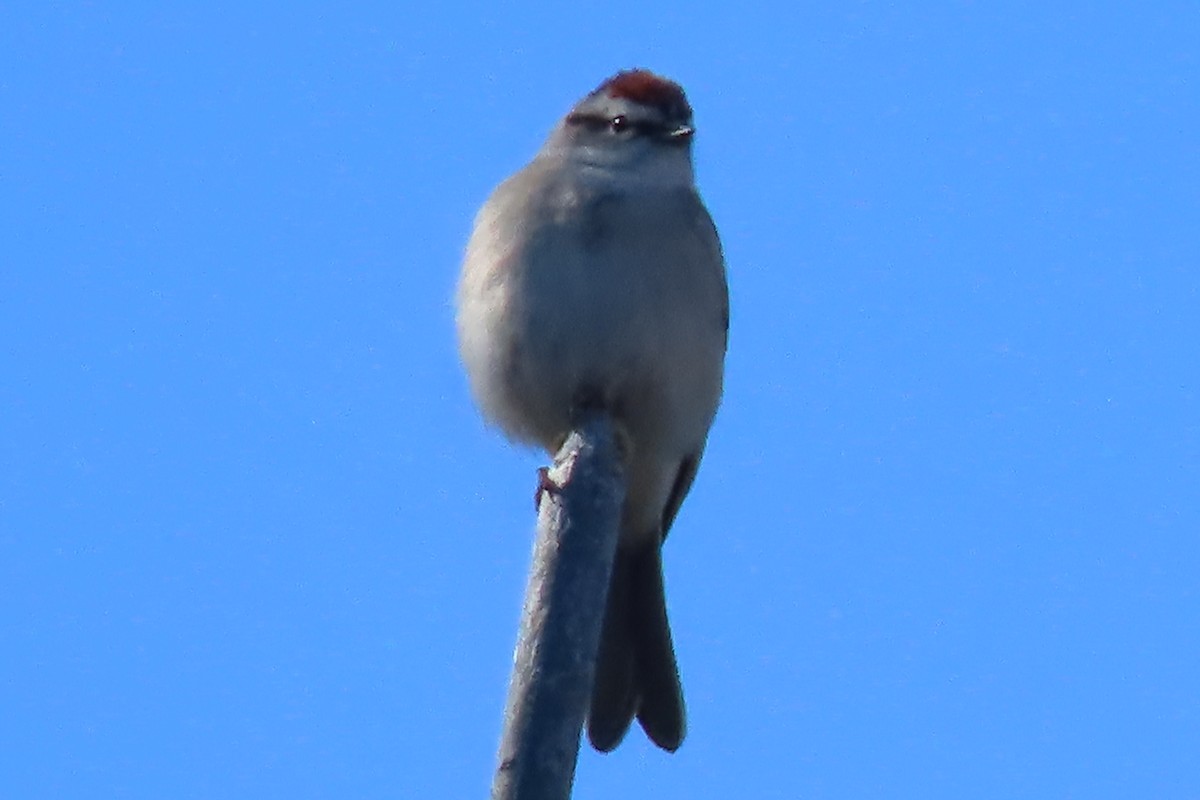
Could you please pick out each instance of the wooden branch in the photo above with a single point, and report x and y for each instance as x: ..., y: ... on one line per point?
x: 578, y: 524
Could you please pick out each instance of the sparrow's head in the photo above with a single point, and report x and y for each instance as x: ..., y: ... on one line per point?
x: 634, y: 119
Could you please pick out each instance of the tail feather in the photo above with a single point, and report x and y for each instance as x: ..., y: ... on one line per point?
x: 661, y: 711
x: 636, y: 672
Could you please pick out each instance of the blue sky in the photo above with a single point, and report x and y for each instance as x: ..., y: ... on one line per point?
x: 255, y: 541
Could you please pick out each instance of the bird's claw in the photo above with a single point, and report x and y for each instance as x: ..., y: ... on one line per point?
x: 544, y: 484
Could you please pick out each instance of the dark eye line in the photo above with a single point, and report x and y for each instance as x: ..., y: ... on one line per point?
x: 589, y: 121
x: 618, y: 124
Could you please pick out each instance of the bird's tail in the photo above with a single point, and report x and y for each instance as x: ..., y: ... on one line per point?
x: 636, y: 673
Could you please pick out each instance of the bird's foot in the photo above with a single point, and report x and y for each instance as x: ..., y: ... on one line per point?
x: 544, y: 484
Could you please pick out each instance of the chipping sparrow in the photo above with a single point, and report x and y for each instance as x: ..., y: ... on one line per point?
x: 595, y: 272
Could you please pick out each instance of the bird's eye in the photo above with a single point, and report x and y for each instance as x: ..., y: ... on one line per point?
x: 618, y: 123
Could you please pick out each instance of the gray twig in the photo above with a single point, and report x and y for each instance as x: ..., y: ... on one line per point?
x: 555, y: 661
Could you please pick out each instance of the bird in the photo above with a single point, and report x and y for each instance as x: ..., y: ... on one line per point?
x: 595, y: 275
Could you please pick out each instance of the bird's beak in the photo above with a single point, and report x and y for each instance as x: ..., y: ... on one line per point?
x: 681, y: 134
